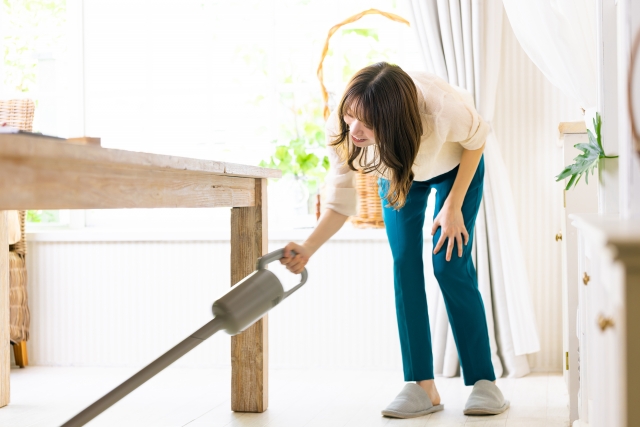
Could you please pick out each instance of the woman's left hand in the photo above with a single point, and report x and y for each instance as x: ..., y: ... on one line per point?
x: 450, y: 220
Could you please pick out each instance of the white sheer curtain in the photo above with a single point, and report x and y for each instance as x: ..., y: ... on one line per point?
x: 560, y: 38
x: 460, y: 40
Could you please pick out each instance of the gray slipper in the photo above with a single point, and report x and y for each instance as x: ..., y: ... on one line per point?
x: 485, y: 399
x: 411, y: 402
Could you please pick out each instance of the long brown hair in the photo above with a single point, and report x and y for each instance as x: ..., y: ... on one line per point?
x: 384, y: 98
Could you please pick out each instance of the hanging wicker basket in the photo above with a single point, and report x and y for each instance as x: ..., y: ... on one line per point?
x: 370, y: 205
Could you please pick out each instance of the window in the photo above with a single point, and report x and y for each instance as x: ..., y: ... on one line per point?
x: 210, y: 79
x: 34, y: 41
x: 224, y: 80
x: 219, y: 79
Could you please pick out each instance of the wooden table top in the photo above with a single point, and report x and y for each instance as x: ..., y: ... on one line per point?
x: 24, y: 145
x: 38, y: 172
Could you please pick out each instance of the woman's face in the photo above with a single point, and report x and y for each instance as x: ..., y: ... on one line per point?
x: 361, y: 136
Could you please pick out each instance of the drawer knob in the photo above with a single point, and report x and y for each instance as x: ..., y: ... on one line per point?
x: 558, y: 237
x: 605, y: 322
x: 586, y: 279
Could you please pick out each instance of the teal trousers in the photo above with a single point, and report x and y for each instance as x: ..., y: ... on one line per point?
x: 457, y: 279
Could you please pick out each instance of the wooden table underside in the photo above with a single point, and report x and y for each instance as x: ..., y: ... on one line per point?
x: 47, y: 173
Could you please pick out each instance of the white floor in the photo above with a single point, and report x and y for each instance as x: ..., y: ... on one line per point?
x: 46, y: 396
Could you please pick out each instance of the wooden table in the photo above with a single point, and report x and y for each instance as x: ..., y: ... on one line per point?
x: 46, y: 173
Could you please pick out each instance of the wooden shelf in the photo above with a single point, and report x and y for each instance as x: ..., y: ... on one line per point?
x: 572, y: 127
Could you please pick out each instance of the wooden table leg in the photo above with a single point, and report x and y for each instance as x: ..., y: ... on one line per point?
x: 5, y: 355
x: 249, y: 349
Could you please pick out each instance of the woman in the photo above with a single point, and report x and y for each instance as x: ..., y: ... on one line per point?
x: 417, y: 133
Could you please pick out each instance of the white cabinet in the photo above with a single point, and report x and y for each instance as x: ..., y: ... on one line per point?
x: 608, y: 320
x: 581, y: 199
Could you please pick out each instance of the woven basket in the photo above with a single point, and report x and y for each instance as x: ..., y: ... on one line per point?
x: 18, y: 302
x: 20, y: 247
x: 18, y: 113
x: 370, y: 205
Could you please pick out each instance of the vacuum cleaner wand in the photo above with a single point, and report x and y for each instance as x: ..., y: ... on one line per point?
x: 244, y: 304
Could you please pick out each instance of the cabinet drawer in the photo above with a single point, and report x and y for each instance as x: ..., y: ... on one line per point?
x: 605, y: 324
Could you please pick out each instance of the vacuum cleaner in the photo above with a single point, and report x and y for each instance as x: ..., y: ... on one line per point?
x: 243, y: 305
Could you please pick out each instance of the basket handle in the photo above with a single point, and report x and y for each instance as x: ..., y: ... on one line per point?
x: 325, y: 49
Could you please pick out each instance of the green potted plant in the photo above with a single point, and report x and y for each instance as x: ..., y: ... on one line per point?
x: 586, y: 162
x: 301, y: 158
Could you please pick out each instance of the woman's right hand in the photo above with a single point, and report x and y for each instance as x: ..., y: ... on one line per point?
x: 296, y: 263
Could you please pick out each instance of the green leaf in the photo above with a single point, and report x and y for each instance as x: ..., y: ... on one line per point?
x: 368, y: 32
x: 282, y: 154
x: 597, y: 125
x: 34, y: 216
x: 325, y: 163
x: 589, y: 148
x: 577, y: 180
x: 307, y: 162
x: 565, y: 173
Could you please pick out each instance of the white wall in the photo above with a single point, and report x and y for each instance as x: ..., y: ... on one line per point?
x: 528, y: 110
x: 124, y: 303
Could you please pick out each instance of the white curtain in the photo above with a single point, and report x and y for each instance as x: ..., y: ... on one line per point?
x: 560, y: 38
x: 460, y: 41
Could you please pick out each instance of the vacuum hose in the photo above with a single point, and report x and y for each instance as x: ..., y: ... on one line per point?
x: 244, y: 304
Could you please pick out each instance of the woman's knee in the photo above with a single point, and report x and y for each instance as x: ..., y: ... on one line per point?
x: 407, y: 258
x: 440, y: 268
x: 443, y: 270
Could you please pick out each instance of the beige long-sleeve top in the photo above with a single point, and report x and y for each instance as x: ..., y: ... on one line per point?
x: 450, y: 124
